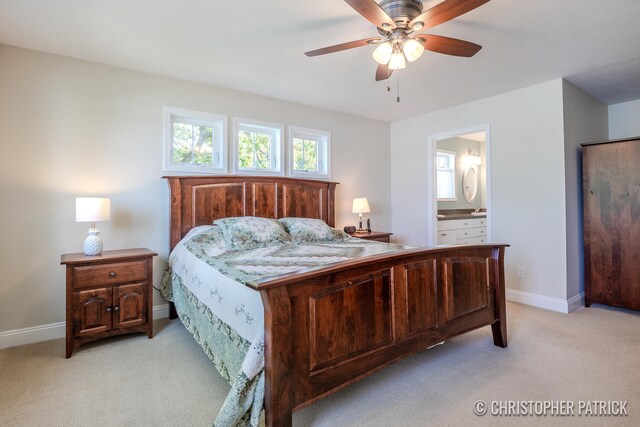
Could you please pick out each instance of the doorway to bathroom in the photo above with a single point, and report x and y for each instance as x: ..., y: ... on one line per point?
x: 459, y: 209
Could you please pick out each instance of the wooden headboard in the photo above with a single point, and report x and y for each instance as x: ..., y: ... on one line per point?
x: 199, y: 200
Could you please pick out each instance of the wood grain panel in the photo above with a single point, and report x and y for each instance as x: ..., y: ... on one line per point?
x: 90, y: 311
x: 199, y: 200
x: 215, y: 201
x: 350, y: 318
x: 422, y: 304
x: 303, y: 201
x: 130, y: 304
x: 96, y: 275
x: 466, y: 285
x: 611, y: 191
x: 264, y: 201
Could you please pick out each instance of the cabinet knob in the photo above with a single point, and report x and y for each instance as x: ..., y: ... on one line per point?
x: 112, y: 274
x: 116, y: 308
x: 108, y: 309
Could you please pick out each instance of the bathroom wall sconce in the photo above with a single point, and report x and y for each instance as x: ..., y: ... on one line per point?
x: 472, y: 159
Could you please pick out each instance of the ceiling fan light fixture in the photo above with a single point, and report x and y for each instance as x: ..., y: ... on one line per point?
x: 382, y: 54
x: 412, y: 49
x: 417, y: 26
x: 397, y: 61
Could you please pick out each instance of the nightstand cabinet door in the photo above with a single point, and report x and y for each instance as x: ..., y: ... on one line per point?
x: 92, y: 311
x: 130, y: 304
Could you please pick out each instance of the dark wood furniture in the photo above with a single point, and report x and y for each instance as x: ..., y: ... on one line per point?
x: 611, y: 198
x: 378, y: 236
x: 327, y: 328
x: 108, y: 294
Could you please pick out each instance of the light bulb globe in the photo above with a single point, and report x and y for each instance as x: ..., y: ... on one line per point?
x: 412, y: 49
x: 382, y: 54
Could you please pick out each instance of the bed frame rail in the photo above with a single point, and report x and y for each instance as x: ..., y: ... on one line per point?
x: 329, y: 327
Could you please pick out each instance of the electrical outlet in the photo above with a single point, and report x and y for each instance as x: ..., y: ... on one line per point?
x: 522, y: 272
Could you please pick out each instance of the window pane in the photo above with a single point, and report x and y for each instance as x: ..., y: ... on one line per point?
x: 254, y: 150
x: 182, y: 138
x: 192, y: 144
x: 305, y: 155
x: 446, y: 175
x: 203, y: 145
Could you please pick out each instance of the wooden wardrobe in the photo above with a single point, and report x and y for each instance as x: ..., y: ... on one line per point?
x: 611, y: 194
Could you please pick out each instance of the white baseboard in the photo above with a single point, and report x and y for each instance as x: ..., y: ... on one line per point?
x: 548, y: 303
x: 54, y: 331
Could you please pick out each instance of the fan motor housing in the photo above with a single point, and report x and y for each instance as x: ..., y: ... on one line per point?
x: 402, y: 11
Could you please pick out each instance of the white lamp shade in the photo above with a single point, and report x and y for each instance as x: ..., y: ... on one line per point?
x: 412, y: 49
x: 382, y: 54
x: 92, y: 209
x: 360, y: 206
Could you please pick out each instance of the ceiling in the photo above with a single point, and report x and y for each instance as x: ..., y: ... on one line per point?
x: 258, y: 47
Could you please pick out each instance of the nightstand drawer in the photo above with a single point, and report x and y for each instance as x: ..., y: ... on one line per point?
x: 108, y: 274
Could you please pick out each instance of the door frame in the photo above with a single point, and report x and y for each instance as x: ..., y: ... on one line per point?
x: 432, y: 200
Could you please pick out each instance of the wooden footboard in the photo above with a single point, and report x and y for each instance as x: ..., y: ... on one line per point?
x: 327, y: 328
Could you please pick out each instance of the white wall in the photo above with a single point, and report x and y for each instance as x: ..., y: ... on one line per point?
x: 527, y: 180
x: 624, y: 120
x: 585, y: 120
x: 73, y: 128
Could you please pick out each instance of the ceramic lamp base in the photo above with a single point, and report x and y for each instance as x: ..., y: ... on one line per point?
x: 93, y: 243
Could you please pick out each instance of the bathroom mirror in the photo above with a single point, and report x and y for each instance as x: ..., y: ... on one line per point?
x: 470, y: 184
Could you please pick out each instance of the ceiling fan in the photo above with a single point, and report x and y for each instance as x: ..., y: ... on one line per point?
x: 396, y: 21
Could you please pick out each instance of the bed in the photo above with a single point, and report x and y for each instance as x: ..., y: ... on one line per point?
x: 325, y: 326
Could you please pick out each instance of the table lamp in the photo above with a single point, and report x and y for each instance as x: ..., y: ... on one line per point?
x: 360, y: 206
x: 93, y: 209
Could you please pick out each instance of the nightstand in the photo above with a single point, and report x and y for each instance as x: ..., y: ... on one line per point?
x: 108, y: 294
x: 378, y: 236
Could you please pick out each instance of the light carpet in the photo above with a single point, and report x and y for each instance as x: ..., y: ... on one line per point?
x: 592, y: 354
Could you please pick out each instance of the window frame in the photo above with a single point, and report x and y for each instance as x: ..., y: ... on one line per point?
x: 278, y: 131
x: 323, y: 138
x: 453, y: 172
x: 218, y: 122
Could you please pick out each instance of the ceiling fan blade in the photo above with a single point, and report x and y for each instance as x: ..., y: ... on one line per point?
x: 373, y: 13
x: 341, y: 46
x: 383, y: 72
x: 449, y: 46
x: 446, y: 11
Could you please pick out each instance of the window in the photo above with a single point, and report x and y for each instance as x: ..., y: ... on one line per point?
x: 446, y: 175
x: 309, y: 153
x: 257, y: 147
x: 195, y: 141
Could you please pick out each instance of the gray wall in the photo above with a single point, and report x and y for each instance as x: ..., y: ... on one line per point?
x: 72, y: 128
x: 527, y: 180
x: 585, y: 120
x: 624, y: 120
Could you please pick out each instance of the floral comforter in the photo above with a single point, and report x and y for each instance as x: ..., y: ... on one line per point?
x: 207, y: 284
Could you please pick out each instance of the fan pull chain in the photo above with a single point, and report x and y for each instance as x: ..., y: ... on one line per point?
x: 398, y: 89
x: 388, y: 77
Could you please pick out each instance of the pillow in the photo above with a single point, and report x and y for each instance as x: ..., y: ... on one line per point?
x: 310, y: 230
x: 250, y: 232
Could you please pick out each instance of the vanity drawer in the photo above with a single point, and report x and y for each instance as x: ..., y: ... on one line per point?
x: 472, y: 241
x: 467, y: 233
x: 108, y: 274
x: 472, y: 223
x: 450, y: 224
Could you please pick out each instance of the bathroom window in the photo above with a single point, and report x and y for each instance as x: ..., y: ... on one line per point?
x: 446, y: 175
